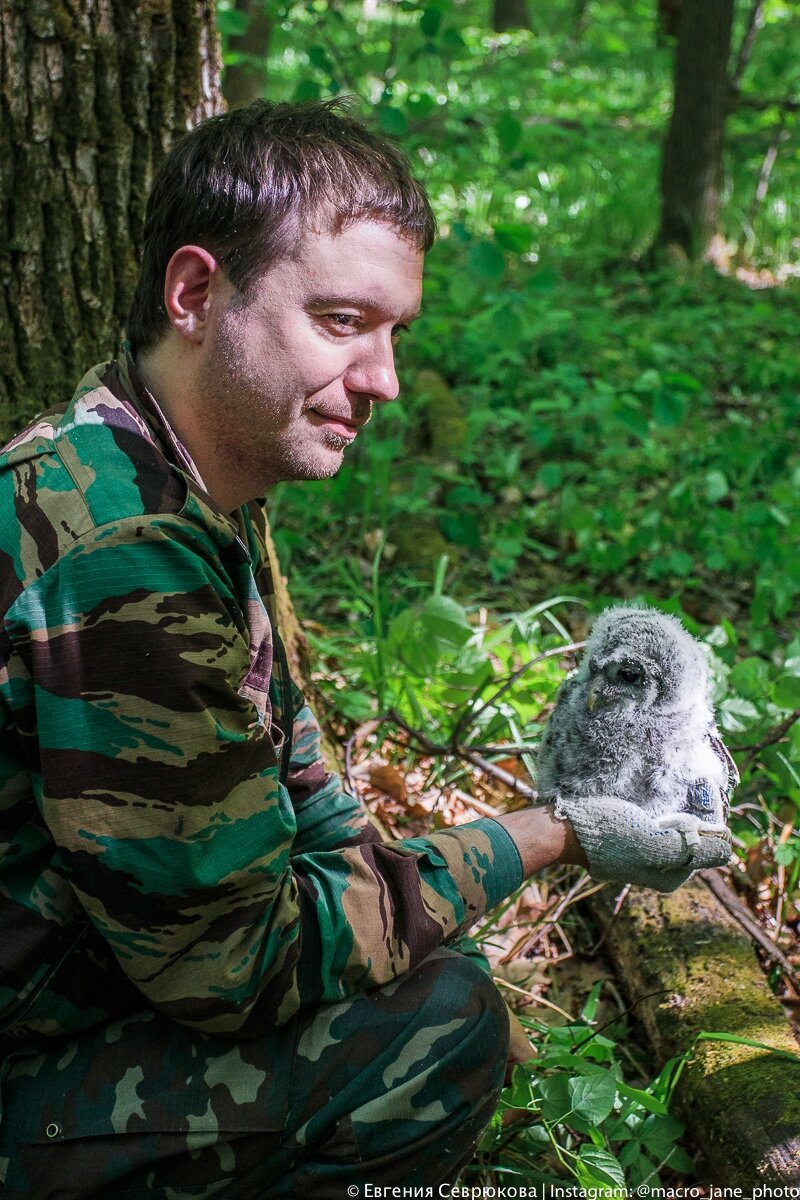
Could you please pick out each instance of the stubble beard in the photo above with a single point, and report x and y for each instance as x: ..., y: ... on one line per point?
x: 241, y: 418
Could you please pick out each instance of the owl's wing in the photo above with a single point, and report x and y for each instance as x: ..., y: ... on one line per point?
x: 724, y: 755
x: 551, y: 761
x: 704, y: 796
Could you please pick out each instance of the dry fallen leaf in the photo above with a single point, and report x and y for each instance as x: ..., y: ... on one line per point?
x: 386, y: 778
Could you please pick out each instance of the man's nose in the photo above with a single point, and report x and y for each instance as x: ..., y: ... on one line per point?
x: 372, y: 371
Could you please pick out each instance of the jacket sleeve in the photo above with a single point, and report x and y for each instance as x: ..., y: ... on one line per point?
x: 328, y: 817
x: 159, y: 786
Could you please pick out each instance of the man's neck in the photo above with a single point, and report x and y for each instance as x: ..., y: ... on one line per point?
x: 169, y: 374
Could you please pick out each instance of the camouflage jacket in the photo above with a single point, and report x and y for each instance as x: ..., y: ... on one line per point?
x: 157, y: 837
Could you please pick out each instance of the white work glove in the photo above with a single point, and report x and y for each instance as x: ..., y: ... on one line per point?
x: 622, y: 842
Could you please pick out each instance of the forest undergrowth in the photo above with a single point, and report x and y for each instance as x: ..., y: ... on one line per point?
x: 638, y: 442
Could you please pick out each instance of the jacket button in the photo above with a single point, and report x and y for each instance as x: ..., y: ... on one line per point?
x: 53, y: 1130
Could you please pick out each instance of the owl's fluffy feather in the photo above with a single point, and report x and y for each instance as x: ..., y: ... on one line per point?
x: 636, y: 722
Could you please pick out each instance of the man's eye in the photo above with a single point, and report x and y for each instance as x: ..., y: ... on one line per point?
x: 343, y: 320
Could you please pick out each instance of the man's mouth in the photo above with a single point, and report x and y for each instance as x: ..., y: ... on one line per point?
x: 343, y: 427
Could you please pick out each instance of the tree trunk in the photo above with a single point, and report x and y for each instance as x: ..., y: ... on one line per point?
x: 510, y: 14
x: 691, y: 173
x: 244, y: 80
x: 688, y: 967
x: 92, y: 92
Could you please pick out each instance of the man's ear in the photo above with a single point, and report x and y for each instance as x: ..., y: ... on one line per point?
x: 190, y: 282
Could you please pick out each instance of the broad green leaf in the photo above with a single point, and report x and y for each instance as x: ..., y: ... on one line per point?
x: 446, y: 620
x: 599, y: 1168
x: 593, y: 1095
x: 786, y: 692
x: 659, y: 1133
x: 750, y: 678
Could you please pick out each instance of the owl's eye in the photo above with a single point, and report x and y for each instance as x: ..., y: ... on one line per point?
x: 630, y: 674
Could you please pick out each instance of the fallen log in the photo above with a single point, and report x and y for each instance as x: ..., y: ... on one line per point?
x: 688, y: 967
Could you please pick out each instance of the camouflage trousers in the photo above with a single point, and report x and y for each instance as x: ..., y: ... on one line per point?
x: 392, y: 1086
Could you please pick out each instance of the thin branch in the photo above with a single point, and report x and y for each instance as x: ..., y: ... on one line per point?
x: 774, y: 735
x: 488, y: 768
x: 786, y: 103
x: 470, y: 715
x: 738, y: 911
x: 754, y: 22
x: 495, y: 772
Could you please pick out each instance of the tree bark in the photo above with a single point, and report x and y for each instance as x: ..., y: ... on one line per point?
x: 92, y: 93
x: 688, y: 967
x: 691, y: 173
x: 510, y: 14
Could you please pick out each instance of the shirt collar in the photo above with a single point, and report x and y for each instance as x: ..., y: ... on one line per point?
x: 168, y: 440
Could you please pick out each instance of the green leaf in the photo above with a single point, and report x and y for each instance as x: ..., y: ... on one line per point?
x: 514, y: 236
x: 446, y: 620
x: 645, y: 1099
x: 669, y: 409
x: 593, y: 1095
x: 550, y: 476
x: 487, y: 261
x: 555, y: 1097
x: 421, y: 106
x: 750, y: 678
x: 462, y: 529
x: 392, y: 120
x: 716, y: 486
x: 598, y: 1168
x: 520, y: 1094
x: 786, y: 692
x: 659, y: 1133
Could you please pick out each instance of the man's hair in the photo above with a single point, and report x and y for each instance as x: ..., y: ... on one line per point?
x: 246, y: 185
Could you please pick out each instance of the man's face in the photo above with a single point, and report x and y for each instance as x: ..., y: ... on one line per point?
x: 290, y: 376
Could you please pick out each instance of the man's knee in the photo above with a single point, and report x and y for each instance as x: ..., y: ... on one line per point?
x: 455, y: 988
x: 457, y: 1033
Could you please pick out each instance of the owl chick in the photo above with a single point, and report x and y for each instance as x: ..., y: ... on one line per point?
x: 636, y: 722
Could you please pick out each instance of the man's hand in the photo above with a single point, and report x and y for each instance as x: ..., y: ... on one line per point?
x: 623, y: 843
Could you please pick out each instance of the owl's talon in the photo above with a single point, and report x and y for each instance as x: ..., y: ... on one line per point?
x: 721, y: 832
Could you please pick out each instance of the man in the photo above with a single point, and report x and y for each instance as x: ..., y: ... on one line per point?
x: 216, y: 980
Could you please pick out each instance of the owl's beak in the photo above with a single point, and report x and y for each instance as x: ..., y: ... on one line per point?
x: 592, y: 696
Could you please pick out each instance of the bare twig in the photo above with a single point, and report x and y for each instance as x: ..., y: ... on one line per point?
x: 738, y: 911
x: 754, y: 22
x: 470, y: 715
x: 495, y: 772
x: 579, y: 891
x: 774, y: 735
x: 781, y: 135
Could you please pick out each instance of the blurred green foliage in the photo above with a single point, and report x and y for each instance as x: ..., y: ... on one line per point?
x: 570, y: 420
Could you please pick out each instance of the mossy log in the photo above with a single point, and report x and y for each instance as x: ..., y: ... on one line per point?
x: 688, y: 967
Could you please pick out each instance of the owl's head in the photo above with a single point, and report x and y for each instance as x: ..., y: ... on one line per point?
x: 639, y: 658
